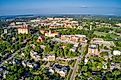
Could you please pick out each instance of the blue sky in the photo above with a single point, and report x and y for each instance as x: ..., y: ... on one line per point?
x: 101, y: 7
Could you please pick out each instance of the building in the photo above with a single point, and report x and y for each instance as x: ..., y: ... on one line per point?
x: 116, y: 52
x: 115, y: 66
x: 35, y: 55
x: 51, y: 34
x: 85, y: 61
x: 74, y: 48
x: 51, y: 71
x: 49, y: 58
x: 42, y: 31
x: 118, y: 25
x: 42, y: 46
x: 50, y: 18
x: 5, y: 31
x: 74, y: 38
x: 30, y: 64
x: 40, y: 39
x: 93, y: 49
x: 61, y: 70
x: 35, y: 20
x: 23, y: 29
x: 104, y: 65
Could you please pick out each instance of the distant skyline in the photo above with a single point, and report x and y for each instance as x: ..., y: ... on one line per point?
x: 23, y: 7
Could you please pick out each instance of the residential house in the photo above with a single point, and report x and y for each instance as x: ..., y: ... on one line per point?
x: 35, y: 55
x: 118, y: 25
x: 104, y: 65
x: 42, y: 31
x: 40, y: 39
x: 49, y: 57
x: 62, y: 70
x: 93, y: 49
x: 30, y: 64
x: 74, y: 48
x: 3, y: 72
x: 115, y: 65
x: 42, y: 46
x: 51, y: 71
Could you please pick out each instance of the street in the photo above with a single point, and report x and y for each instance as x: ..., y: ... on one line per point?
x: 73, y: 75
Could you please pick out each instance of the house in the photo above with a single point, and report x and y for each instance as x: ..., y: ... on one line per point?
x: 22, y: 54
x: 35, y: 55
x: 93, y: 49
x: 96, y: 73
x: 116, y: 52
x: 5, y: 31
x: 97, y: 40
x: 30, y: 64
x: 104, y: 65
x: 24, y: 63
x: 40, y: 39
x: 118, y: 25
x: 35, y: 20
x: 33, y: 46
x: 49, y: 18
x: 115, y: 65
x: 62, y: 73
x: 74, y: 48
x: 3, y: 72
x: 62, y: 70
x: 42, y: 46
x: 51, y: 71
x: 42, y: 31
x: 49, y: 58
x: 85, y: 61
x: 16, y: 61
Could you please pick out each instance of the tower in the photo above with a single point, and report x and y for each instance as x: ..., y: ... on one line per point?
x: 90, y: 27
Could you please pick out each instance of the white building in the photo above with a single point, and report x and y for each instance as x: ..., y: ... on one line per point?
x: 116, y: 52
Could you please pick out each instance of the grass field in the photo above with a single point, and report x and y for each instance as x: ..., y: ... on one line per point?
x: 100, y: 33
x: 104, y: 34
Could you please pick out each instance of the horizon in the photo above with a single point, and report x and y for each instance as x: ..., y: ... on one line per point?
x: 89, y: 7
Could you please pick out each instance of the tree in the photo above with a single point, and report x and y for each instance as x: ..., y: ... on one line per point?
x: 116, y: 73
x: 47, y: 49
x: 84, y: 68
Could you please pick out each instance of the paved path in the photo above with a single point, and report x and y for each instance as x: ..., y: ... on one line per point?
x: 66, y: 59
x: 73, y: 75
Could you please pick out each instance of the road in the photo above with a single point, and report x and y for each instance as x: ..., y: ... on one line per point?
x: 73, y: 75
x: 66, y: 59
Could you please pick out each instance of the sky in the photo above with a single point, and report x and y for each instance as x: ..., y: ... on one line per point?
x: 21, y: 7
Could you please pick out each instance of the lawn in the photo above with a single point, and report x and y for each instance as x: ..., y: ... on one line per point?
x: 100, y: 33
x: 113, y: 36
